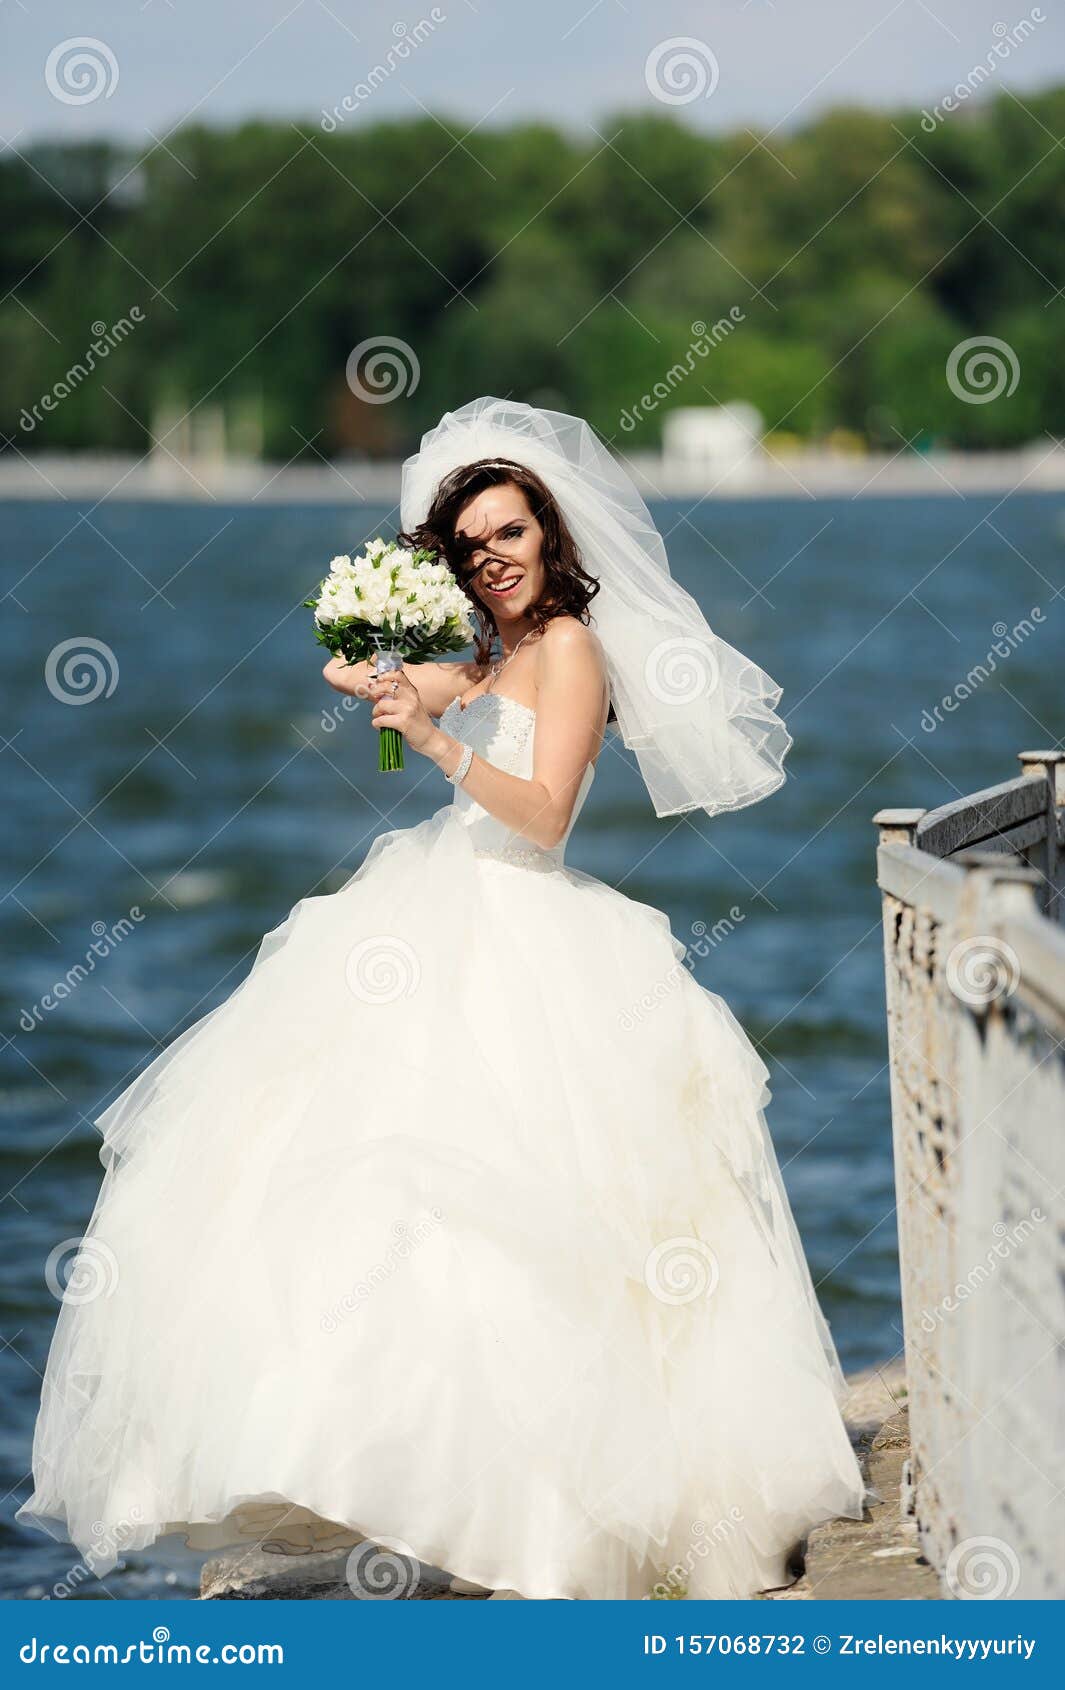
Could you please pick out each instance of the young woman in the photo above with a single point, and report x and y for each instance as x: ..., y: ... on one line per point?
x: 457, y: 1227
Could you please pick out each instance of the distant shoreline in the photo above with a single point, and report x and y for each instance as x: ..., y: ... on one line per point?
x: 806, y: 473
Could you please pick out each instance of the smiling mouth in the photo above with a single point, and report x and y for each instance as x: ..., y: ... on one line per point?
x: 502, y: 588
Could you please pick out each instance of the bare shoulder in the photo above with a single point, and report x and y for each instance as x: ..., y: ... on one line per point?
x: 568, y: 640
x: 570, y: 653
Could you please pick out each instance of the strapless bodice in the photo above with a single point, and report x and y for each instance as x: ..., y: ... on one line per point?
x: 502, y: 731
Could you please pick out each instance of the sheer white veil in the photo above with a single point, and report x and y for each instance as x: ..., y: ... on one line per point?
x: 698, y: 714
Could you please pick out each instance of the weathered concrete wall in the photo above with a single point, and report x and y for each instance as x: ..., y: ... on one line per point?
x: 975, y: 976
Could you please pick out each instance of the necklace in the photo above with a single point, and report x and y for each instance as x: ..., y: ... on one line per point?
x: 497, y: 668
x: 496, y: 671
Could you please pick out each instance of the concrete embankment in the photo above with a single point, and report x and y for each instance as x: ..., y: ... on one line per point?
x: 806, y: 473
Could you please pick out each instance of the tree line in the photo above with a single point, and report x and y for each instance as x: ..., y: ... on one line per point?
x: 832, y: 271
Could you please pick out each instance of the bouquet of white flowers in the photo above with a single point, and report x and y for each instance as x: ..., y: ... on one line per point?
x: 390, y: 604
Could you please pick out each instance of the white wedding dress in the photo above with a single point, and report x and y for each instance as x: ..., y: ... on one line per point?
x: 457, y: 1226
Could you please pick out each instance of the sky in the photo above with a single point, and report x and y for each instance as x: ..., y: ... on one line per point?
x: 136, y: 69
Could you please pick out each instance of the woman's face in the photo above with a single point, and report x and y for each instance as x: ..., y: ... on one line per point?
x: 506, y: 572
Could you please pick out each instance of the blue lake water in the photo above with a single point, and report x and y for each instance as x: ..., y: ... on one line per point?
x: 215, y: 786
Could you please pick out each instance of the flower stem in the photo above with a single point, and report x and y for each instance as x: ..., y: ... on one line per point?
x: 391, y: 751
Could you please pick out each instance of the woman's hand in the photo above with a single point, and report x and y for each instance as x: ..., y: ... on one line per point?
x: 348, y: 677
x: 397, y: 704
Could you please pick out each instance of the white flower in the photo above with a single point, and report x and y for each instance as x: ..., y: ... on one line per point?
x: 385, y: 584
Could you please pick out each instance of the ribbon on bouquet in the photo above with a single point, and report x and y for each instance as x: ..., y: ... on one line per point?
x: 389, y: 661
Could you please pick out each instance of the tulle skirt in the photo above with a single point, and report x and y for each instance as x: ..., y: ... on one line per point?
x: 457, y: 1227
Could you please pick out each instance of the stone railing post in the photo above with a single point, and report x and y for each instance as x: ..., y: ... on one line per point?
x: 898, y: 827
x: 1049, y: 766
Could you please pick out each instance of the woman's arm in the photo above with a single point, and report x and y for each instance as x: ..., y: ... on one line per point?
x: 571, y: 709
x: 437, y: 684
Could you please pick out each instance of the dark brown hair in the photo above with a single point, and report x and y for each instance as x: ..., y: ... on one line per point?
x: 568, y: 589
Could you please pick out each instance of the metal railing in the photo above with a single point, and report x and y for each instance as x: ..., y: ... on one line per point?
x: 975, y: 974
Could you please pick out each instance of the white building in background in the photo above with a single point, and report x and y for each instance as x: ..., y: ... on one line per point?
x: 712, y: 447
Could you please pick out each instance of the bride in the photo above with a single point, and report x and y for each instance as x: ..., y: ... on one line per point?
x: 457, y: 1227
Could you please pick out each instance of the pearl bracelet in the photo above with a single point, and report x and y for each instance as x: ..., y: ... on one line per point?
x: 463, y: 767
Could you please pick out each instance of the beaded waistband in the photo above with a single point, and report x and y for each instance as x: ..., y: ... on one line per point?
x: 522, y: 856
